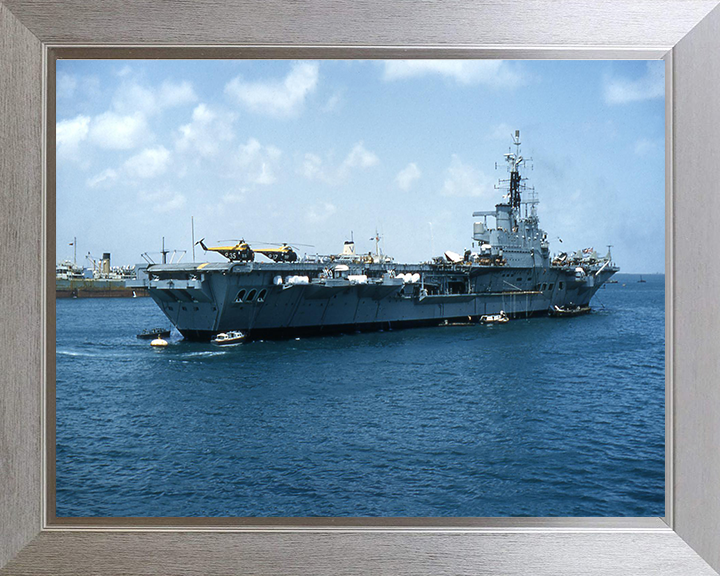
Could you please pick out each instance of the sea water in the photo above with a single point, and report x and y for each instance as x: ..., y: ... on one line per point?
x: 536, y: 417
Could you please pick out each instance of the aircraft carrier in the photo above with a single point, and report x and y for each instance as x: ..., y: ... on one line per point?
x: 510, y: 270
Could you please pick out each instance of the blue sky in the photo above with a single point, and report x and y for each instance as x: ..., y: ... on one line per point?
x: 307, y: 152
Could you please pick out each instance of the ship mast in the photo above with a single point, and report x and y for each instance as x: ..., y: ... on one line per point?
x: 377, y: 244
x: 164, y: 252
x: 516, y: 186
x: 514, y: 160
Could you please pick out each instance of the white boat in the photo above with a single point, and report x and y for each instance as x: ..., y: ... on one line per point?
x: 559, y: 311
x: 495, y: 318
x: 228, y: 338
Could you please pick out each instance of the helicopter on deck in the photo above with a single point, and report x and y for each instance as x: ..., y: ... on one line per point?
x: 241, y: 252
x: 283, y: 253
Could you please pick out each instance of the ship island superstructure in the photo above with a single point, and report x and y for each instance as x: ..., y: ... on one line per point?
x: 510, y: 270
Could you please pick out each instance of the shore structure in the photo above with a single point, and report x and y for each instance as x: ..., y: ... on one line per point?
x: 101, y: 281
x: 509, y: 270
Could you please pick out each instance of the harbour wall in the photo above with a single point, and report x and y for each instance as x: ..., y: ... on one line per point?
x: 97, y: 289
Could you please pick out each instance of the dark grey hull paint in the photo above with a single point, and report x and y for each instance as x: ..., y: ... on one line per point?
x: 309, y: 331
x: 201, y: 302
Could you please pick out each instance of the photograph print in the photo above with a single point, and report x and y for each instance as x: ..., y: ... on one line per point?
x: 344, y: 288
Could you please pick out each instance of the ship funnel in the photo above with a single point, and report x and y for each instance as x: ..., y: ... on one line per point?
x: 105, y: 263
x: 349, y: 248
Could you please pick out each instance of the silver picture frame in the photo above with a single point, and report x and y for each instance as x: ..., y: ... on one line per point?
x: 686, y: 33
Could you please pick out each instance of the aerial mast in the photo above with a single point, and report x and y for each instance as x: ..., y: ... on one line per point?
x: 164, y: 252
x: 192, y: 233
x: 377, y: 244
x: 515, y: 160
x: 516, y: 187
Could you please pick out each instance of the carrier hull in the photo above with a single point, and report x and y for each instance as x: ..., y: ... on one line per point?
x: 204, y: 300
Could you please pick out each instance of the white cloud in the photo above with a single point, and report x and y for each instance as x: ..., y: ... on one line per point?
x: 103, y: 179
x: 648, y: 86
x: 314, y: 168
x: 172, y: 204
x: 360, y: 157
x: 172, y: 94
x: 75, y: 86
x: 117, y: 132
x: 202, y: 114
x: 258, y: 162
x: 65, y: 85
x: 495, y: 73
x: 407, y: 176
x: 235, y: 197
x: 276, y: 97
x: 164, y: 200
x: 334, y: 102
x: 206, y: 133
x: 132, y: 97
x: 646, y: 146
x: 321, y: 212
x: 69, y: 134
x: 149, y: 163
x: 465, y: 180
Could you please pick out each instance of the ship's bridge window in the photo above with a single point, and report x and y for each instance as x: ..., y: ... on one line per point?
x: 551, y: 286
x: 251, y: 295
x: 261, y: 296
x: 240, y: 296
x: 544, y: 287
x: 560, y: 285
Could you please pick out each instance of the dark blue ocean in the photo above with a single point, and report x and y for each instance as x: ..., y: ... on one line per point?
x: 539, y: 417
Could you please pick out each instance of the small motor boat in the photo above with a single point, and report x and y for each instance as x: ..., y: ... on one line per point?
x: 494, y: 318
x: 228, y: 338
x: 564, y: 311
x: 158, y: 343
x: 153, y: 333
